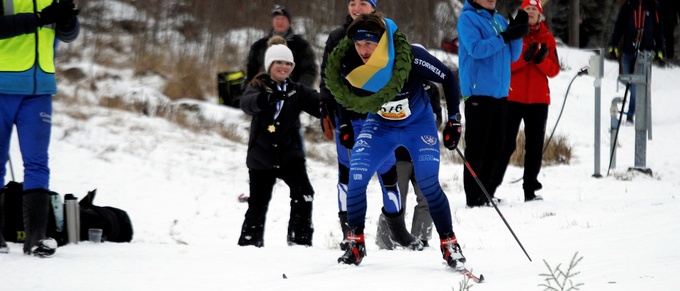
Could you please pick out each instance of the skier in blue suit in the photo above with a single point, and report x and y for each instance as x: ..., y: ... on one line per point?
x: 385, y: 79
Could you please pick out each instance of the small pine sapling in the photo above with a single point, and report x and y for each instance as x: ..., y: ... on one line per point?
x: 562, y: 279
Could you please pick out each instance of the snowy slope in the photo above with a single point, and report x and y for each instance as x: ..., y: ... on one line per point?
x: 180, y: 187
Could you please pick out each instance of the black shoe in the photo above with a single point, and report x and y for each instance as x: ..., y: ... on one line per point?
x: 629, y: 119
x: 452, y: 253
x: 4, y: 249
x: 44, y: 248
x: 533, y: 198
x: 356, y: 250
x: 425, y: 243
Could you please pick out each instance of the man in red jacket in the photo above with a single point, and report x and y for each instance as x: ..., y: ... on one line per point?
x: 528, y: 100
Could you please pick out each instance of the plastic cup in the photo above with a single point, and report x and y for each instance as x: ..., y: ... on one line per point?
x: 95, y: 235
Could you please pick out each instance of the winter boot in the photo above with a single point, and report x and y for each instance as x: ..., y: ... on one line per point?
x: 251, y: 235
x: 36, y: 208
x: 300, y: 227
x: 382, y: 236
x: 398, y: 232
x: 3, y: 245
x: 45, y: 248
x: 530, y: 192
x: 451, y: 252
x: 342, y: 215
x: 356, y: 249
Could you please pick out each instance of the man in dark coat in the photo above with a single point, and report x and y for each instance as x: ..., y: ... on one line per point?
x: 639, y: 24
x: 670, y: 11
x: 306, y: 69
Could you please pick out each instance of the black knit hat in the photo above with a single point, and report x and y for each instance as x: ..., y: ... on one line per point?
x: 281, y: 10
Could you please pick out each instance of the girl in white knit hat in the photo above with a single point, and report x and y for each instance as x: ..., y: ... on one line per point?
x: 275, y: 147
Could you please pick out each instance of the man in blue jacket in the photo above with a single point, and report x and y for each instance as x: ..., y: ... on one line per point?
x: 28, y: 30
x: 488, y: 44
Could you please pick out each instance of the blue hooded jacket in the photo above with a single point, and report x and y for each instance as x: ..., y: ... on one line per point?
x: 484, y: 58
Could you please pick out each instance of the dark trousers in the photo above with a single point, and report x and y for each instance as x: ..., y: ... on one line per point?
x: 535, y: 117
x: 294, y: 174
x: 484, y: 131
x: 669, y: 35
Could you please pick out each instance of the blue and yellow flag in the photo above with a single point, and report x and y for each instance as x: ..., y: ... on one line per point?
x: 377, y: 71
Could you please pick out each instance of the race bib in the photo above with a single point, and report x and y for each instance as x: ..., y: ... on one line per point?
x: 395, y: 110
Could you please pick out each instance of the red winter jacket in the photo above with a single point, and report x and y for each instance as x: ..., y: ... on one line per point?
x: 529, y: 81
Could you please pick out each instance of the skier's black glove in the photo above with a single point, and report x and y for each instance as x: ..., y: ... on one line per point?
x: 530, y: 52
x: 347, y: 135
x: 518, y: 27
x: 451, y: 134
x: 541, y: 54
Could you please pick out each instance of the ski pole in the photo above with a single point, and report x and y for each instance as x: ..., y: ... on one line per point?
x: 618, y: 126
x: 474, y: 175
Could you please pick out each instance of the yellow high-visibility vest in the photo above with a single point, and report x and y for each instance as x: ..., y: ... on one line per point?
x: 20, y: 53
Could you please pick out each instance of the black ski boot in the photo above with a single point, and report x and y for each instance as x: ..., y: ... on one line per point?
x: 3, y: 245
x: 36, y: 208
x: 342, y: 215
x: 398, y: 233
x: 356, y: 249
x: 451, y: 251
x: 300, y: 227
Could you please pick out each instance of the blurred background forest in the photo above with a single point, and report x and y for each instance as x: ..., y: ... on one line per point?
x: 189, y: 42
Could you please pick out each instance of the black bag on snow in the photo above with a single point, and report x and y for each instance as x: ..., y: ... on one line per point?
x: 14, y: 215
x: 115, y: 222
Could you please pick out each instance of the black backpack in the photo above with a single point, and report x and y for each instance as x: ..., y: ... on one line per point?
x: 115, y: 222
x: 14, y: 217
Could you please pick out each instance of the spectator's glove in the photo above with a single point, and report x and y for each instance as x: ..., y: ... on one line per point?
x: 612, y: 53
x: 270, y: 96
x: 542, y: 53
x: 49, y: 14
x: 518, y: 27
x: 67, y: 14
x: 347, y: 136
x: 530, y: 52
x: 451, y: 134
x: 62, y: 13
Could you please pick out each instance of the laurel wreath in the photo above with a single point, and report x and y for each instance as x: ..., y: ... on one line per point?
x: 371, y: 103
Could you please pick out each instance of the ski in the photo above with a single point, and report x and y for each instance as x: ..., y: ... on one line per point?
x: 471, y: 276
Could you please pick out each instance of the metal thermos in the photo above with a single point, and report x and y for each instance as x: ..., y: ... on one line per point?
x: 72, y: 218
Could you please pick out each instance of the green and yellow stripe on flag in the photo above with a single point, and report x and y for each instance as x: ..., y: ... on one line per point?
x: 377, y: 71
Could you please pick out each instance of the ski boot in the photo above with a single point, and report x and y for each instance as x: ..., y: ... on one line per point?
x: 451, y: 252
x: 356, y: 249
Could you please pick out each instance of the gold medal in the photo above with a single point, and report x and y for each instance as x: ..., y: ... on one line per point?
x: 271, y: 128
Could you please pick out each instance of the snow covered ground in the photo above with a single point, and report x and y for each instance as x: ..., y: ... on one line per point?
x: 180, y: 189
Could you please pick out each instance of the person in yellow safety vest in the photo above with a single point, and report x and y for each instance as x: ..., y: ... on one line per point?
x: 28, y: 31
